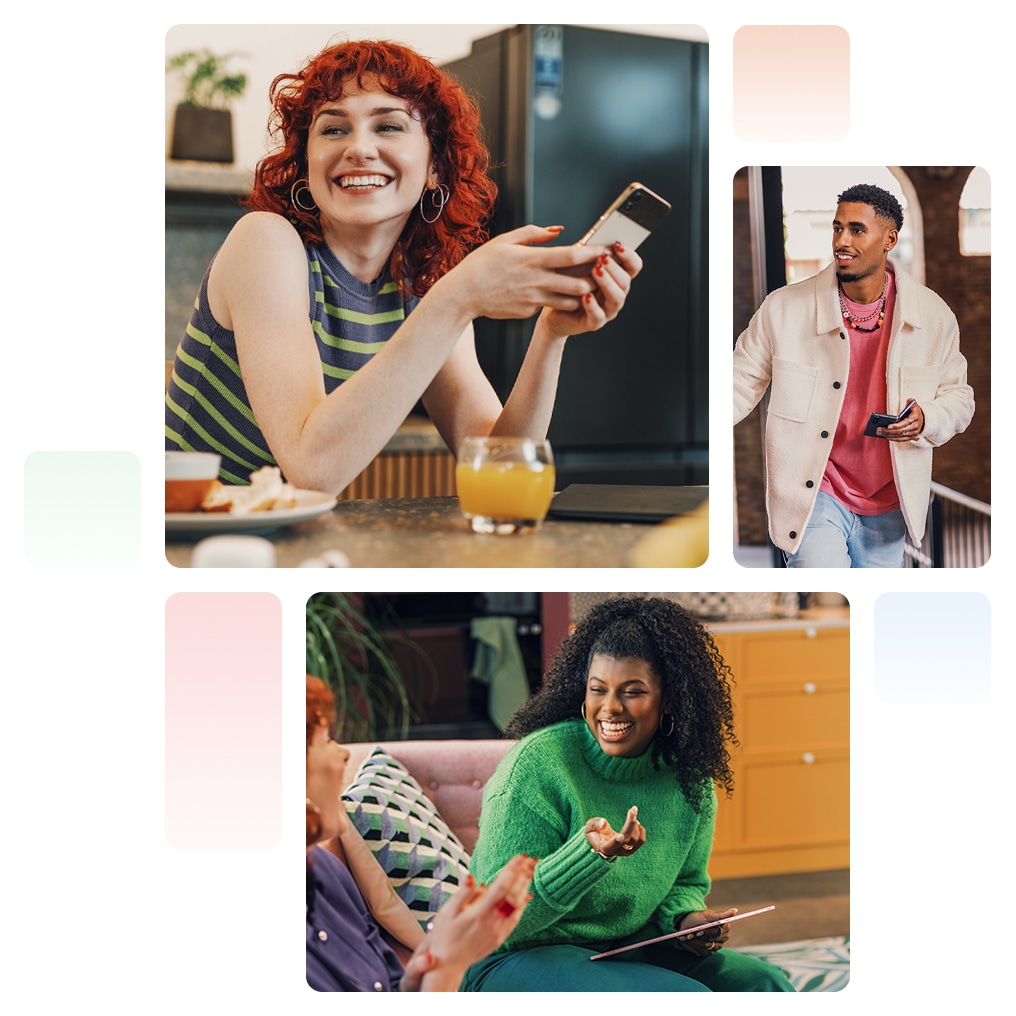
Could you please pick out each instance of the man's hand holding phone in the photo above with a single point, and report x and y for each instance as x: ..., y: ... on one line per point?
x: 908, y: 426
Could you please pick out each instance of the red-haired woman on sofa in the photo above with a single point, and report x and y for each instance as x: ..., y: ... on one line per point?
x: 350, y: 902
x: 348, y: 293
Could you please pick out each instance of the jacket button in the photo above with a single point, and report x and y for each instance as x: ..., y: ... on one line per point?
x: 842, y: 336
x: 810, y: 483
x: 825, y: 433
x: 793, y: 535
x: 836, y: 384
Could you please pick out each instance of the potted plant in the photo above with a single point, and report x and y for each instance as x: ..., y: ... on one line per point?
x: 349, y: 653
x: 203, y: 124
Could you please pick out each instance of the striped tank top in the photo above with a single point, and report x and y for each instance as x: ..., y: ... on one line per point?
x: 207, y: 409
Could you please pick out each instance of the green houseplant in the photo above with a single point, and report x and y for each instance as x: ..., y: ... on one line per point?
x: 349, y: 653
x: 203, y: 124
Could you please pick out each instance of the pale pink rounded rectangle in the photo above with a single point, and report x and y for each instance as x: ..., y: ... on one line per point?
x: 223, y: 721
x: 791, y: 83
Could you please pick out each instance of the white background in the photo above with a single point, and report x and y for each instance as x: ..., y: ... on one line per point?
x: 98, y: 911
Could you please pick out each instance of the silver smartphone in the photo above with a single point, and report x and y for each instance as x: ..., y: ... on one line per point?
x: 630, y: 219
x: 635, y: 213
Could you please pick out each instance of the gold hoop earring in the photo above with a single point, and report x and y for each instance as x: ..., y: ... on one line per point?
x: 296, y: 192
x: 438, y: 199
x: 669, y: 732
x: 583, y: 710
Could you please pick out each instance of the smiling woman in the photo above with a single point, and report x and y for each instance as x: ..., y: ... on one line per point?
x: 351, y: 905
x: 348, y: 292
x: 630, y: 730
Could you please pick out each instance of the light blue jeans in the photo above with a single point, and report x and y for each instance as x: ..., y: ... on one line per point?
x: 837, y: 538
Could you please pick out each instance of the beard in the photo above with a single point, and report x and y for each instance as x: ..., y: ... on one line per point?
x: 848, y: 275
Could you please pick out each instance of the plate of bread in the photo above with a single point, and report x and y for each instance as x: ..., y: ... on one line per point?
x: 267, y: 503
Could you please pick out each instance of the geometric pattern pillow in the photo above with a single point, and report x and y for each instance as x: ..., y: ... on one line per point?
x: 423, y: 859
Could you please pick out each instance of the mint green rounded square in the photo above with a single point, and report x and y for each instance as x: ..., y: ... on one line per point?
x: 82, y: 509
x: 932, y: 648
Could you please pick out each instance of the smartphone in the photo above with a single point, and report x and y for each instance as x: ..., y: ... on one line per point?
x: 635, y: 213
x: 877, y: 420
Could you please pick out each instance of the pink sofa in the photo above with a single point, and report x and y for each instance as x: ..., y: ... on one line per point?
x: 452, y: 773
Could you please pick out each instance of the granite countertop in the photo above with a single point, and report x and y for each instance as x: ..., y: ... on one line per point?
x: 416, y: 434
x: 431, y: 533
x: 813, y: 618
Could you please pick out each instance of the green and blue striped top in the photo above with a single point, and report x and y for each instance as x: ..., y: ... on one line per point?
x: 207, y: 408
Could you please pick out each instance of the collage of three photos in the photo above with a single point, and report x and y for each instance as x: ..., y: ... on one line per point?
x: 453, y: 311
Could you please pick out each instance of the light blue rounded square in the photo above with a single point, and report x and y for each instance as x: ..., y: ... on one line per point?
x: 82, y: 509
x: 932, y: 647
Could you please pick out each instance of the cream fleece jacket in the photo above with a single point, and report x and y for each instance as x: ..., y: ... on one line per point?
x: 797, y: 341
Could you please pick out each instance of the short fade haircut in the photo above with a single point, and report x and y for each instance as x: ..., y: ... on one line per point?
x: 886, y: 206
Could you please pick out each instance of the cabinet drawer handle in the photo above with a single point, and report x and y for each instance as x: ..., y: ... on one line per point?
x: 810, y: 688
x: 807, y: 758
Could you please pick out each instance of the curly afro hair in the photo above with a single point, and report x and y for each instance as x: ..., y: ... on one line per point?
x: 885, y: 204
x: 694, y: 680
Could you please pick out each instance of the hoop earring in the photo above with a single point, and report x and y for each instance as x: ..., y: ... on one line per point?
x: 296, y: 195
x: 438, y: 199
x: 583, y: 710
x: 671, y: 731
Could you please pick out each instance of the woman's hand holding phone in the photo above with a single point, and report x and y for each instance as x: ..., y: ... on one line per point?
x: 514, y: 276
x: 612, y: 275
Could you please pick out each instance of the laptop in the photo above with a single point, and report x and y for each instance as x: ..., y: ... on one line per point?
x: 609, y: 502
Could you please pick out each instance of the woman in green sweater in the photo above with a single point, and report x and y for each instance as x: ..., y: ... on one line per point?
x: 611, y: 786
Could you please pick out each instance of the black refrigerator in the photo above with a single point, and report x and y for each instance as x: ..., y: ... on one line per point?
x: 572, y: 116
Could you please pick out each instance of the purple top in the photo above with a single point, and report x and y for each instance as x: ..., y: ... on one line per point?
x: 345, y: 951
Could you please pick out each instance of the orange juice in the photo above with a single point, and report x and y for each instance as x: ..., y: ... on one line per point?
x: 505, y: 490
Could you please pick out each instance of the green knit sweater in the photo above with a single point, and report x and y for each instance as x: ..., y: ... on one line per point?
x: 538, y: 802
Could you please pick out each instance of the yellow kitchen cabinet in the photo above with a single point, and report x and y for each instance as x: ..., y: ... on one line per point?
x: 791, y: 805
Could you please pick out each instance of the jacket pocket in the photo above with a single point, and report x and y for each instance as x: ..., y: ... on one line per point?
x: 793, y: 389
x: 919, y: 382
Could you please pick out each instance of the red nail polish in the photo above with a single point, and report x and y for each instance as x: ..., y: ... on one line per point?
x: 619, y: 247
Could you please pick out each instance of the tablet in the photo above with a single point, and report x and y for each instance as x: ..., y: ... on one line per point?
x: 608, y: 502
x: 683, y: 934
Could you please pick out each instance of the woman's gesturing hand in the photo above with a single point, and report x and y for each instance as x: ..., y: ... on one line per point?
x: 612, y: 275
x: 469, y: 927
x: 705, y: 943
x: 605, y: 841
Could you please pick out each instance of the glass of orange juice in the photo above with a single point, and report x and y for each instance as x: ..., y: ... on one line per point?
x: 505, y: 484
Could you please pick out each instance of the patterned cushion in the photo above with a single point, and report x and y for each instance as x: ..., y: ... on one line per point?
x: 422, y: 857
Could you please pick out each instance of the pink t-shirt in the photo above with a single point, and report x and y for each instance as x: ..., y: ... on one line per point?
x: 859, y: 473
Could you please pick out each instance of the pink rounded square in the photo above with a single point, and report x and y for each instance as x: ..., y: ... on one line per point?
x: 791, y: 83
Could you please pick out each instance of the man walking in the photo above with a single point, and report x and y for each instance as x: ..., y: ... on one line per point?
x: 860, y: 337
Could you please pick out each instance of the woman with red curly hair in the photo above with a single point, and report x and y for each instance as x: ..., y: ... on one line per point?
x: 350, y: 901
x: 348, y: 292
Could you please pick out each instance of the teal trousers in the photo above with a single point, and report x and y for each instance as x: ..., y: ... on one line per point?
x: 663, y: 967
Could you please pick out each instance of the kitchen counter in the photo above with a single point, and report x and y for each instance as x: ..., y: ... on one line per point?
x: 430, y: 532
x: 813, y: 618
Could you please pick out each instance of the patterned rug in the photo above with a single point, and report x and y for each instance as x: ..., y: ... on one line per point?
x: 817, y: 964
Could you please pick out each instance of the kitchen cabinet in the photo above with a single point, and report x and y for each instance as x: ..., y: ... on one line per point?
x: 791, y: 805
